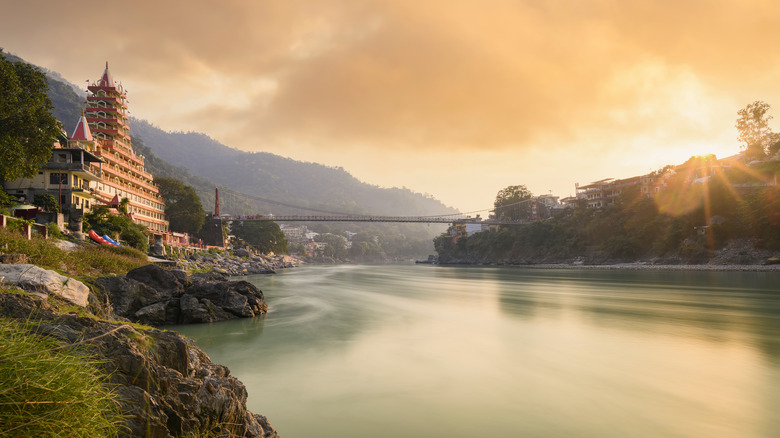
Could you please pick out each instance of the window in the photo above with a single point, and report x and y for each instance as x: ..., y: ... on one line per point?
x: 58, y: 178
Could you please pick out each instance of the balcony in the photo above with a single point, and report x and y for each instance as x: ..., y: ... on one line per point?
x: 115, y: 100
x: 124, y: 176
x: 95, y: 86
x: 153, y: 196
x: 93, y: 107
x: 131, y: 158
x: 107, y: 119
x: 111, y: 132
x: 85, y: 171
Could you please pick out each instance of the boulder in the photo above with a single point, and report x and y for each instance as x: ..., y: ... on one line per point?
x: 153, y: 314
x: 165, y: 281
x: 35, y: 279
x: 155, y: 296
x: 239, y: 298
x: 126, y: 295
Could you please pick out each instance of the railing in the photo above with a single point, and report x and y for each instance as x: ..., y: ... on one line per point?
x: 108, y: 99
x: 117, y: 120
x: 75, y: 167
x: 142, y: 183
x: 416, y: 219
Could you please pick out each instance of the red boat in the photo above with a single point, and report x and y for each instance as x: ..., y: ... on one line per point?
x: 94, y: 236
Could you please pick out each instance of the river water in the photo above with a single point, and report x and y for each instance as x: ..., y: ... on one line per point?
x: 429, y: 351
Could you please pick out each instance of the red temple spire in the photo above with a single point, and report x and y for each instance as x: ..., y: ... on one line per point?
x: 106, y: 80
x: 82, y: 131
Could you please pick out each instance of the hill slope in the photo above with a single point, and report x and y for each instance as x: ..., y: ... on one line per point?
x: 274, y: 177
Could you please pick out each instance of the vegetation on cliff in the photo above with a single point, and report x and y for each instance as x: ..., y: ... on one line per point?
x: 683, y: 223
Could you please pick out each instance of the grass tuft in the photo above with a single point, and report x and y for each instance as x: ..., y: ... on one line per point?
x: 51, y: 392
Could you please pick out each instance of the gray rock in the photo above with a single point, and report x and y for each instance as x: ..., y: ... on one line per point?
x: 36, y: 279
x: 127, y: 295
x: 240, y: 298
x: 165, y: 281
x: 153, y: 314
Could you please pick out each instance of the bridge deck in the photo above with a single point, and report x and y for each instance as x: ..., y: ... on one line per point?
x: 408, y: 219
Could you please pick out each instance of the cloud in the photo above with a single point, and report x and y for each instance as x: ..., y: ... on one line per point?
x: 341, y: 81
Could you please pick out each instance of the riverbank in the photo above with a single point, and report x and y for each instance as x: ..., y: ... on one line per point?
x: 635, y: 266
x: 234, y: 263
x: 161, y: 384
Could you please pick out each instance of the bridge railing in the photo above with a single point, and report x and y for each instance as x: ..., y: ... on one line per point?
x: 410, y: 219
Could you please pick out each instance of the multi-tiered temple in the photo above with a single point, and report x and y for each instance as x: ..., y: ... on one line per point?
x: 124, y: 175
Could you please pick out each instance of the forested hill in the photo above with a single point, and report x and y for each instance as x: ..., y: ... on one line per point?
x: 204, y: 163
x: 274, y: 177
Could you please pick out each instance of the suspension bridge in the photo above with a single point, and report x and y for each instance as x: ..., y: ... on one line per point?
x: 330, y: 216
x: 406, y: 219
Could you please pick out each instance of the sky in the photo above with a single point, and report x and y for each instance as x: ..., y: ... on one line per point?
x: 453, y: 98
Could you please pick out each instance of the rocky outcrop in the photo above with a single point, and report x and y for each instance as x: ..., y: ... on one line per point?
x: 241, y: 262
x: 167, y: 387
x: 35, y: 279
x: 156, y: 296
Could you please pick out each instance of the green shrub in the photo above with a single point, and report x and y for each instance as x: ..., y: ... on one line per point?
x: 54, y: 230
x: 51, y: 392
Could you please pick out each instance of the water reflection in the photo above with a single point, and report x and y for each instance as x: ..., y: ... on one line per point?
x: 713, y: 306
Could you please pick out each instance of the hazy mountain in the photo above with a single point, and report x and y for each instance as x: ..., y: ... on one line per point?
x: 277, y: 178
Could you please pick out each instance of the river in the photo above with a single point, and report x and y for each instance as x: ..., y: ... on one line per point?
x: 430, y: 351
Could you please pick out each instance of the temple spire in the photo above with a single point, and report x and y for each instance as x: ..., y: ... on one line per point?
x: 82, y: 131
x: 106, y: 80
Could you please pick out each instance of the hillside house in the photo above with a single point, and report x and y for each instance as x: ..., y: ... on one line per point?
x: 602, y: 193
x: 71, y: 176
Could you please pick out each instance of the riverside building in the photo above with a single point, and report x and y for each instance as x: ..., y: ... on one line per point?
x: 123, y: 171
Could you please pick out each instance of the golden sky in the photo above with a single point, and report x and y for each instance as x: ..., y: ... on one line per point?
x: 455, y: 98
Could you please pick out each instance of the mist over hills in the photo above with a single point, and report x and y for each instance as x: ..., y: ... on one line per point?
x: 274, y: 177
x: 248, y: 180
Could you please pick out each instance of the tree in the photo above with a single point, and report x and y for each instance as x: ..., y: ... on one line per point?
x: 182, y: 205
x: 103, y: 222
x: 754, y: 131
x: 774, y: 144
x: 510, y: 205
x: 263, y: 236
x: 47, y: 202
x: 28, y: 130
x: 335, y: 246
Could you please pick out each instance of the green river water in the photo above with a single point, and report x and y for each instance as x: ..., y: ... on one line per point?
x: 430, y: 351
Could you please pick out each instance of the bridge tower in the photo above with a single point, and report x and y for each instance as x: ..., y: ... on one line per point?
x: 216, y: 202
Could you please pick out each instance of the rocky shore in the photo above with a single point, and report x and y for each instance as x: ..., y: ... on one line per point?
x: 166, y: 386
x: 156, y: 296
x: 240, y: 262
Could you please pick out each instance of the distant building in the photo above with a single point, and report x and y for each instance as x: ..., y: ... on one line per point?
x: 294, y: 234
x: 602, y: 193
x: 542, y: 206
